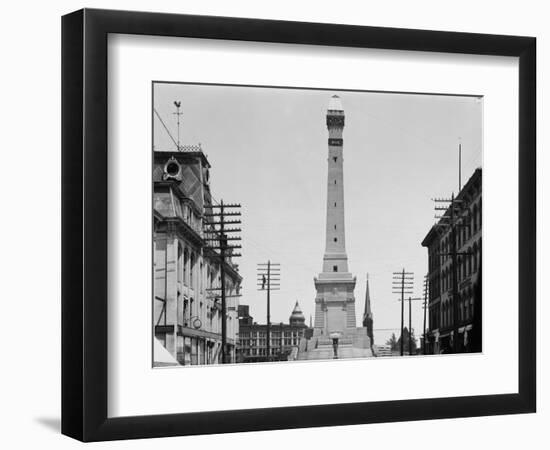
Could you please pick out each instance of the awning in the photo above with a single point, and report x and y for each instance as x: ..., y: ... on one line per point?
x: 161, y: 356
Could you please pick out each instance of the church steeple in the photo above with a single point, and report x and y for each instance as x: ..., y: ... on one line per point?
x: 368, y: 311
x: 367, y: 315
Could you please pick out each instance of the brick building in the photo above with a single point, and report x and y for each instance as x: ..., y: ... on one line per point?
x: 443, y: 322
x: 285, y: 337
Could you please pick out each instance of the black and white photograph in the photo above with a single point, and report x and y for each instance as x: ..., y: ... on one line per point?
x: 299, y: 224
x: 275, y: 225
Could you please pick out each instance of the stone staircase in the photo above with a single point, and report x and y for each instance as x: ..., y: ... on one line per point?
x: 321, y: 348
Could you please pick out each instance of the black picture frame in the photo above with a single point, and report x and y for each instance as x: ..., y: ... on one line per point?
x: 84, y: 224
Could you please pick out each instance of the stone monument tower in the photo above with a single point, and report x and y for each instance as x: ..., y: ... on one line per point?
x: 335, y: 321
x: 335, y: 301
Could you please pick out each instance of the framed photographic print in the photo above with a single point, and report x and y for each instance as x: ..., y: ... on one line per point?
x: 266, y: 224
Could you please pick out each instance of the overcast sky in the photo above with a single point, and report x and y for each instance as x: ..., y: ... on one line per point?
x: 268, y: 151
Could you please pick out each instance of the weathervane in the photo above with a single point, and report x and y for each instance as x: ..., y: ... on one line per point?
x: 178, y: 114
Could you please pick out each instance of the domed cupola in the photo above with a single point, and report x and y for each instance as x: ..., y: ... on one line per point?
x: 297, y: 317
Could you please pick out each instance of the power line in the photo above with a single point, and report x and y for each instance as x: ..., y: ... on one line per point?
x: 403, y: 284
x: 216, y: 234
x: 166, y: 128
x: 269, y: 279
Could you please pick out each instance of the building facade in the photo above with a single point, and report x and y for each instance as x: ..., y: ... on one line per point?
x: 285, y: 337
x: 187, y: 312
x: 445, y: 317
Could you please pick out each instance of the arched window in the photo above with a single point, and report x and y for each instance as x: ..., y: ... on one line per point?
x: 474, y: 218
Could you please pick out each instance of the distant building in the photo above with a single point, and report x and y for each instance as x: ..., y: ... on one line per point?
x: 438, y: 241
x: 187, y: 304
x: 285, y: 337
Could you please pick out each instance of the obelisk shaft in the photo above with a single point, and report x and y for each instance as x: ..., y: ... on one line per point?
x: 335, y: 258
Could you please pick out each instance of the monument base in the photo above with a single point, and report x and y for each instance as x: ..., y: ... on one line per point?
x: 351, y: 343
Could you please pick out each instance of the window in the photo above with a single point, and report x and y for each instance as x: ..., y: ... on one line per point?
x: 185, y: 267
x: 191, y: 269
x: 335, y: 158
x: 335, y: 268
x: 479, y: 214
x: 334, y: 203
x: 334, y: 181
x: 180, y: 263
x: 185, y: 311
x: 335, y: 239
x: 201, y: 286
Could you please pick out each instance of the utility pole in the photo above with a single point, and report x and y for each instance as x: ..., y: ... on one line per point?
x: 402, y: 284
x: 410, y: 321
x: 410, y: 326
x: 269, y: 279
x: 217, y: 236
x: 459, y: 165
x: 452, y: 220
x: 425, y: 307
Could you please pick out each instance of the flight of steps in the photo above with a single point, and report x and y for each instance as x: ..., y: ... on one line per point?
x: 321, y: 348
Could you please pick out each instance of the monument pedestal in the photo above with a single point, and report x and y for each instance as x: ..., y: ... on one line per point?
x: 354, y: 343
